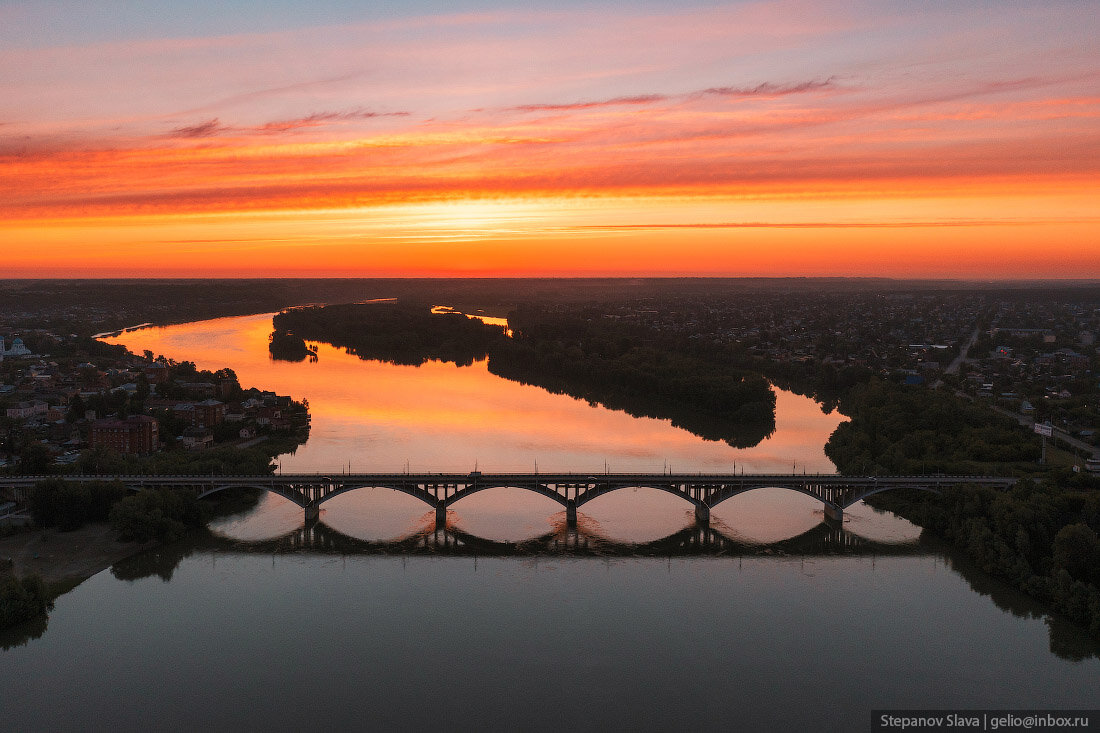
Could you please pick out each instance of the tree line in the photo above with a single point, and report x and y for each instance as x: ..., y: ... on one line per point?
x: 389, y: 332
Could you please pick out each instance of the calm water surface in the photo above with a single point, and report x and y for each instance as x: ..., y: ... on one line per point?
x: 247, y: 632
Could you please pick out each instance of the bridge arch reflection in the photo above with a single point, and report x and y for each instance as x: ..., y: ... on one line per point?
x: 822, y: 540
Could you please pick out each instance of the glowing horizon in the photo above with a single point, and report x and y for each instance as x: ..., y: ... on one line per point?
x: 740, y: 139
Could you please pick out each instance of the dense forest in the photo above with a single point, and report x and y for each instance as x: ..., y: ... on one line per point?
x: 397, y: 333
x: 638, y: 371
x: 901, y: 430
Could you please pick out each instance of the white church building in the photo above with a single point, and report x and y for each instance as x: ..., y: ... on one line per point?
x: 17, y: 348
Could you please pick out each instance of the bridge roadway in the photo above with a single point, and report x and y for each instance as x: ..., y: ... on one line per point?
x: 571, y: 490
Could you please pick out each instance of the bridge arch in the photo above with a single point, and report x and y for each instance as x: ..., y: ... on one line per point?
x: 880, y: 489
x: 278, y: 490
x: 414, y: 491
x: 607, y: 489
x: 801, y: 490
x: 537, y: 488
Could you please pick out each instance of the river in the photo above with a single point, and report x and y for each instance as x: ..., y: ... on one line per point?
x: 375, y: 620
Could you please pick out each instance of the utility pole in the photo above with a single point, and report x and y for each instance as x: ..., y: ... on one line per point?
x: 1045, y: 430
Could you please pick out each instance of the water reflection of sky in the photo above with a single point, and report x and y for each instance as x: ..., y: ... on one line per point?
x: 372, y: 416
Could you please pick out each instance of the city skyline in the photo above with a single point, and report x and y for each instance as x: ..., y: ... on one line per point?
x: 738, y: 139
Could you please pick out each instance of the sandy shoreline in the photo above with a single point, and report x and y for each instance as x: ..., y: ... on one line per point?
x: 64, y: 559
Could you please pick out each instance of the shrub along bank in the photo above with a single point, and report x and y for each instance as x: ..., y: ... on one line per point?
x: 22, y: 599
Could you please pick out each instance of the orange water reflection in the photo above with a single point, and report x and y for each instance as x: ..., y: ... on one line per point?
x: 372, y: 416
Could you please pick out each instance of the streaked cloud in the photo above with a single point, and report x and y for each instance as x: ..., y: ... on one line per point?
x: 202, y: 129
x: 768, y: 89
x: 214, y: 126
x: 615, y: 102
x: 319, y: 119
x: 765, y: 89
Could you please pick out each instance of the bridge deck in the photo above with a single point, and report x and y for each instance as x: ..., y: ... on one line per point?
x: 571, y: 490
x: 777, y: 479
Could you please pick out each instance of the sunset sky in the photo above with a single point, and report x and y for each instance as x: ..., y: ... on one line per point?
x: 338, y: 138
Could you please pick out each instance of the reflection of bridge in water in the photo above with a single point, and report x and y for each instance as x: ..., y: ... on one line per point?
x: 826, y: 538
x: 572, y: 491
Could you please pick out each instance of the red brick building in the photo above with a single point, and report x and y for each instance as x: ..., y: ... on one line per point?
x: 135, y: 434
x: 205, y: 414
x: 210, y: 413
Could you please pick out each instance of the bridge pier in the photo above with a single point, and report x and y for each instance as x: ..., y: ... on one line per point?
x: 313, y: 514
x: 440, y: 516
x: 571, y: 514
x: 835, y: 514
x: 702, y: 514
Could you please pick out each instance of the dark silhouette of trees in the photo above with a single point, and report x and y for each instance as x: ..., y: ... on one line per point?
x: 22, y: 599
x: 902, y: 430
x: 161, y: 514
x: 68, y: 505
x: 390, y: 332
x: 286, y: 346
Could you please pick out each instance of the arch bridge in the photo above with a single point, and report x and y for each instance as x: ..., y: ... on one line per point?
x: 570, y: 490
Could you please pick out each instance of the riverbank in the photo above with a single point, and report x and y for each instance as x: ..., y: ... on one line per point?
x: 64, y: 559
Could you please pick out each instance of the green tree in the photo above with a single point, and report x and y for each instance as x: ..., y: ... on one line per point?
x: 21, y: 599
x: 76, y: 409
x: 35, y: 459
x: 1076, y: 549
x: 101, y: 461
x: 156, y: 514
x: 69, y: 504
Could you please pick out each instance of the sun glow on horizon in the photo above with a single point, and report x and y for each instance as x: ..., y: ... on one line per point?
x: 595, y: 141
